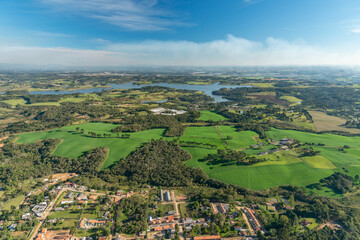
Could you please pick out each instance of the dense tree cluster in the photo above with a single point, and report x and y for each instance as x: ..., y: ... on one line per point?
x: 230, y: 157
x: 136, y: 210
x: 159, y: 163
x: 172, y: 124
x: 19, y: 162
x: 339, y: 183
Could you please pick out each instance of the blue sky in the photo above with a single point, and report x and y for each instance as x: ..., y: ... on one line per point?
x: 180, y: 32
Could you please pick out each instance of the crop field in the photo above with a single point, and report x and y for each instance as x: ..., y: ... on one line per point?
x: 325, y: 122
x: 207, y: 115
x: 76, y: 143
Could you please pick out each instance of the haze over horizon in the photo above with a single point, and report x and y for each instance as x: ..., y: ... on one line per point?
x: 184, y: 32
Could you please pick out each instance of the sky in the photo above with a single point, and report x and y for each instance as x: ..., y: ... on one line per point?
x: 180, y: 32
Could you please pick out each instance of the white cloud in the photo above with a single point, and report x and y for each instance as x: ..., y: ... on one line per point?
x: 230, y: 51
x: 144, y: 15
x: 355, y: 30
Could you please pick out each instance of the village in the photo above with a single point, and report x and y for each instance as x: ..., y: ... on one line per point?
x: 65, y: 210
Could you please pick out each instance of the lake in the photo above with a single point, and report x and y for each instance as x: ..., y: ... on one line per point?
x: 206, y: 89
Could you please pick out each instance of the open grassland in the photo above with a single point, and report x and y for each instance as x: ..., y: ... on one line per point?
x: 64, y: 214
x: 14, y: 102
x: 207, y: 116
x: 285, y: 157
x: 20, y: 101
x: 325, y: 122
x: 286, y: 167
x: 76, y: 143
x: 324, y: 138
x: 291, y: 99
x: 263, y: 85
x: 209, y: 135
x: 13, y: 202
x: 266, y: 176
x: 238, y: 140
x: 319, y: 162
x: 281, y: 168
x: 68, y: 99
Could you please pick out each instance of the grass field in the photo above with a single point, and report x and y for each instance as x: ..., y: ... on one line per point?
x: 75, y: 143
x: 267, y: 176
x: 207, y: 116
x: 14, y: 102
x: 13, y: 202
x: 325, y: 138
x: 281, y: 168
x: 239, y: 139
x: 64, y: 214
x: 209, y: 135
x: 263, y: 85
x: 285, y: 167
x: 325, y: 122
x: 319, y: 162
x: 291, y: 99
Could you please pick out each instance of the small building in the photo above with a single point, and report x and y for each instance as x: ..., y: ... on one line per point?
x: 12, y: 227
x: 26, y: 216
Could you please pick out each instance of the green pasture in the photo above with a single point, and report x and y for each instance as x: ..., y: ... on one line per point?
x: 211, y: 116
x: 76, y: 143
x: 14, y: 102
x: 239, y: 140
x: 324, y: 138
x: 64, y: 214
x: 319, y: 162
x: 268, y: 176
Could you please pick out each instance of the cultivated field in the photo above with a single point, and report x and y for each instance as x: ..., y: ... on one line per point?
x: 324, y: 122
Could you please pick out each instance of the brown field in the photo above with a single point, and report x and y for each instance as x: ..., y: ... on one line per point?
x: 58, y: 235
x: 324, y: 122
x: 268, y: 96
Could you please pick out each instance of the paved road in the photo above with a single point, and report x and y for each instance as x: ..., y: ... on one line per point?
x: 246, y: 220
x: 47, y: 211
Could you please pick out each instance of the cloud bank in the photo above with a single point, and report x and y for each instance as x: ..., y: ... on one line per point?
x: 231, y: 51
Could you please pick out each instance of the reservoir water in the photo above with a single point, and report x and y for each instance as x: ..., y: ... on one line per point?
x: 206, y: 89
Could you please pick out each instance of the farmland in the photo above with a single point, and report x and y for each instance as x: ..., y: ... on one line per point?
x: 279, y: 168
x: 207, y: 115
x: 284, y: 168
x: 325, y: 122
x: 75, y: 143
